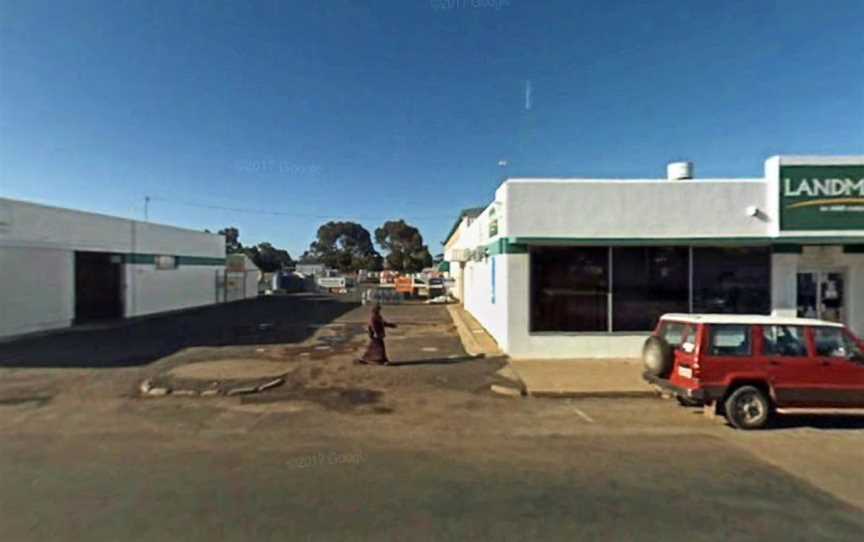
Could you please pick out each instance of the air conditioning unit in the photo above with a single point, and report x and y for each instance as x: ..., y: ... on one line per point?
x: 460, y: 255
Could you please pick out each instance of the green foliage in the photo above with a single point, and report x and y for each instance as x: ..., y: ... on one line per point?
x: 346, y: 246
x: 404, y: 245
x: 232, y: 240
x: 267, y: 257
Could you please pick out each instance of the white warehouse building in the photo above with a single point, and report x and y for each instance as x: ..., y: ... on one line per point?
x: 576, y: 268
x: 59, y: 267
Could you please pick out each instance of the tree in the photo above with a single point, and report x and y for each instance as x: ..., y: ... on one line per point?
x: 346, y: 246
x: 404, y: 245
x: 268, y: 258
x: 232, y: 240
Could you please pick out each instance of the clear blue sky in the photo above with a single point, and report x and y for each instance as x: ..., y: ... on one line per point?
x: 403, y: 108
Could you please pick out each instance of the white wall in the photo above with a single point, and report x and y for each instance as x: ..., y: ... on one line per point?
x: 478, y: 296
x: 855, y: 263
x: 587, y: 209
x: 786, y: 267
x: 37, y: 269
x: 36, y: 289
x: 32, y: 225
x: 150, y: 290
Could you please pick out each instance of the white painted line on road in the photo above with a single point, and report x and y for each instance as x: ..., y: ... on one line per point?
x: 583, y: 415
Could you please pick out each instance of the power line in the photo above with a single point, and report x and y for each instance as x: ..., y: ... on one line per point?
x: 247, y: 210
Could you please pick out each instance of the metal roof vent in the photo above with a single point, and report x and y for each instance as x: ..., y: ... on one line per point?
x: 679, y: 171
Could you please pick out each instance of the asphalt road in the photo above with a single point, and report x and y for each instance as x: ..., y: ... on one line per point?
x: 591, y: 487
x: 427, y: 453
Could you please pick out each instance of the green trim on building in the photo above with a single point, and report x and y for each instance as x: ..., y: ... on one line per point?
x: 199, y: 260
x: 505, y: 246
x: 142, y: 259
x: 150, y: 259
x: 784, y: 245
x: 695, y: 241
x: 622, y: 241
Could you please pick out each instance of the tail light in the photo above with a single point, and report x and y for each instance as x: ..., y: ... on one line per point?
x: 697, y: 368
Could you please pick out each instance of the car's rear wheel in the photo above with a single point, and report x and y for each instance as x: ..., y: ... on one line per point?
x: 657, y: 356
x: 748, y: 407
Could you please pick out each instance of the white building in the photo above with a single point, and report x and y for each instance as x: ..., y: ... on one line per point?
x: 59, y: 267
x: 241, y: 278
x: 570, y: 268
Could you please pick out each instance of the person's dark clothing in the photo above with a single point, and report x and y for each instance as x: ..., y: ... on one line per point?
x: 376, y: 351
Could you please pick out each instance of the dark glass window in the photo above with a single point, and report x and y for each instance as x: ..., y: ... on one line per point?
x: 569, y: 287
x: 833, y: 342
x: 732, y: 280
x: 647, y: 283
x: 783, y: 341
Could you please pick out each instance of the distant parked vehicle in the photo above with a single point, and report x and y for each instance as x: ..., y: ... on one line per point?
x: 336, y: 285
x: 754, y: 365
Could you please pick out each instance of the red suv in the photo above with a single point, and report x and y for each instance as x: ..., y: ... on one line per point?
x: 752, y: 365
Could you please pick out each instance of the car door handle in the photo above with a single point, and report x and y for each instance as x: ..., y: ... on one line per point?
x: 773, y: 362
x: 825, y: 364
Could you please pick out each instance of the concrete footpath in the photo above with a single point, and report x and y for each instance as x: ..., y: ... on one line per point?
x: 582, y: 378
x: 475, y: 339
x: 554, y: 378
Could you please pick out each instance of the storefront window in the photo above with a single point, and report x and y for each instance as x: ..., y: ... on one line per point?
x: 647, y: 283
x: 732, y: 280
x: 569, y: 289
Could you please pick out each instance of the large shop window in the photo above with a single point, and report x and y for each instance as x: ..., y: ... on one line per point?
x: 569, y: 289
x: 732, y: 280
x: 648, y: 282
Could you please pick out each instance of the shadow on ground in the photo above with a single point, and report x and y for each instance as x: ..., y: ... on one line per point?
x: 818, y: 421
x: 826, y: 421
x: 265, y: 320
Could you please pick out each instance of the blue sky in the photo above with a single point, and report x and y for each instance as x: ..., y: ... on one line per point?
x: 402, y: 109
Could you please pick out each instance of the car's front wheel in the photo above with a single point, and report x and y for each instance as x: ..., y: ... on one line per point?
x: 748, y: 407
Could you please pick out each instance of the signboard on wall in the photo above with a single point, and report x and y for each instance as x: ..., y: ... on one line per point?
x: 404, y: 285
x: 822, y: 197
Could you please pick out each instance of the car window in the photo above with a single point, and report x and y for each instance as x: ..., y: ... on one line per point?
x: 679, y: 335
x: 729, y: 340
x: 673, y: 332
x: 833, y: 342
x: 783, y: 341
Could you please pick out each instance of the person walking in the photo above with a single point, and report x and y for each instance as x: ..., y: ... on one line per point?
x: 375, y: 352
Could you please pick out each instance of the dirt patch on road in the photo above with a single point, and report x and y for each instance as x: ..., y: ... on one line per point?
x: 336, y: 399
x: 37, y: 401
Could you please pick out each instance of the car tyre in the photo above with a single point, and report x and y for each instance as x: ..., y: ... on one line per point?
x: 748, y: 407
x: 657, y: 356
